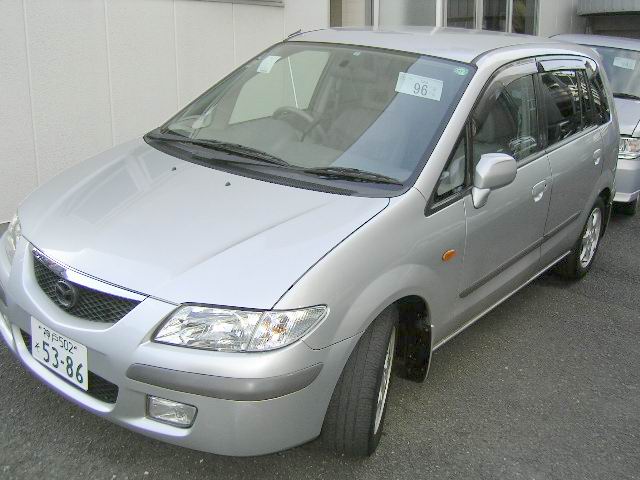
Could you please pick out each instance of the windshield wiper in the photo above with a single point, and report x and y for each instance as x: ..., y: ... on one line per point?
x: 226, y: 147
x: 630, y: 96
x: 250, y: 152
x: 354, y: 174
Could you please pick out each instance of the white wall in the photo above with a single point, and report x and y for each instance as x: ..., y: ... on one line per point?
x: 79, y: 76
x: 559, y: 16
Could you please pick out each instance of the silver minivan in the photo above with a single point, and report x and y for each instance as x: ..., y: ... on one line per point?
x: 621, y: 60
x: 246, y: 277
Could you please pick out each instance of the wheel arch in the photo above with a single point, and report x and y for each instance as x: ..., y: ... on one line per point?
x: 607, y: 197
x: 415, y: 340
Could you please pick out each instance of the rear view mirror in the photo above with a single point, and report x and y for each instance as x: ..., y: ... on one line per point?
x: 494, y: 170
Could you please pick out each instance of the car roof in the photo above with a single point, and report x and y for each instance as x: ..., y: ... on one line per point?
x: 601, y: 41
x: 452, y: 43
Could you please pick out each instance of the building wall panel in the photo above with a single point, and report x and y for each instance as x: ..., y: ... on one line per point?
x: 79, y: 76
x: 18, y: 172
x: 205, y: 46
x: 559, y: 17
x: 142, y: 65
x: 66, y: 42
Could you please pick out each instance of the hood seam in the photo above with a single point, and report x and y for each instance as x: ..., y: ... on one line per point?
x: 327, y: 253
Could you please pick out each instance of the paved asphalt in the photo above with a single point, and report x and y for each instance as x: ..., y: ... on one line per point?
x: 545, y: 387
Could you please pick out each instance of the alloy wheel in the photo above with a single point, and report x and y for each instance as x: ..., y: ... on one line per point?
x: 386, y: 377
x: 591, y: 238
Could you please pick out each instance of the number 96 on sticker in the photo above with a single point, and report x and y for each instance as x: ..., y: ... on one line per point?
x: 419, y: 86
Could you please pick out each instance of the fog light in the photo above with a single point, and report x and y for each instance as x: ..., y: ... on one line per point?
x: 174, y: 413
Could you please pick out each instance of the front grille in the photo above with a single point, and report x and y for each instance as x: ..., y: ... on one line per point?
x: 99, y: 388
x: 91, y: 304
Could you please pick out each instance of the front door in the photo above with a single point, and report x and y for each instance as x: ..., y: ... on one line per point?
x: 504, y: 236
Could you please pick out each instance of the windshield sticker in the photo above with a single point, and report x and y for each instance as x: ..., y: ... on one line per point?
x: 627, y: 63
x: 418, y: 86
x: 461, y: 71
x: 267, y: 64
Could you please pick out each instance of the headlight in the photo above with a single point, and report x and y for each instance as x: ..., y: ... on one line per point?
x: 12, y: 236
x: 629, y: 148
x: 237, y: 330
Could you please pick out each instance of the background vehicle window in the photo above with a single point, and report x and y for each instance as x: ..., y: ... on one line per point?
x: 623, y: 70
x: 506, y: 120
x: 561, y: 104
x: 602, y: 112
x: 453, y: 177
x: 291, y: 82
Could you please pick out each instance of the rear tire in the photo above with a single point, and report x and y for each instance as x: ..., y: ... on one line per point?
x: 355, y: 418
x: 630, y: 208
x: 583, y: 254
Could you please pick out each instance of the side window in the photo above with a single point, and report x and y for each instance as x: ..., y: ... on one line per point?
x: 602, y: 112
x: 507, y: 120
x: 454, y: 176
x: 561, y: 98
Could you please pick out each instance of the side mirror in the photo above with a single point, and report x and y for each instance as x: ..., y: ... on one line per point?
x: 494, y: 170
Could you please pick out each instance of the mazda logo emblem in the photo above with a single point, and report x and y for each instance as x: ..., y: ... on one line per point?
x: 66, y: 294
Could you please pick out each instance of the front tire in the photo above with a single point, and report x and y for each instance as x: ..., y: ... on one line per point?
x: 355, y: 417
x: 579, y: 262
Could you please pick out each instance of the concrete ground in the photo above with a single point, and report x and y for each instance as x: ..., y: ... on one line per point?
x: 545, y: 387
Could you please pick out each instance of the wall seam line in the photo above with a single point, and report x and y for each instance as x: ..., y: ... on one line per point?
x: 233, y: 28
x: 284, y: 25
x: 108, y: 45
x: 175, y: 52
x: 30, y: 81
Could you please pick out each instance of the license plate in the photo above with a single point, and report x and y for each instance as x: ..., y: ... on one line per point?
x: 64, y: 356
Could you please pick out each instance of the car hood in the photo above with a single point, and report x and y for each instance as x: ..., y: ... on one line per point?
x: 149, y: 222
x: 628, y: 116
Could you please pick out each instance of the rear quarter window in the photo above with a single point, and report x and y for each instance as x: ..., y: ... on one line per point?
x: 601, y: 104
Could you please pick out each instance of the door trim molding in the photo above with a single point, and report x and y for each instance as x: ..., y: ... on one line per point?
x: 555, y: 230
x: 494, y: 273
x: 499, y: 302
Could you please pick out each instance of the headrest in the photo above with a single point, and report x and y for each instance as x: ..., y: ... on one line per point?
x: 358, y: 66
x: 498, y: 124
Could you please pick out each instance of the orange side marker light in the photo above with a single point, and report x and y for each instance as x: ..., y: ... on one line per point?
x: 449, y: 255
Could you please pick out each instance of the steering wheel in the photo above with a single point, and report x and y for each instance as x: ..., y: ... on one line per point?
x: 283, y: 112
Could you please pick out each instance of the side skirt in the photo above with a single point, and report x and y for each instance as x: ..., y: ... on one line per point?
x: 478, y: 317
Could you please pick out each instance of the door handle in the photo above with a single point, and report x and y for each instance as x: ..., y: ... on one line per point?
x: 538, y: 190
x: 596, y: 156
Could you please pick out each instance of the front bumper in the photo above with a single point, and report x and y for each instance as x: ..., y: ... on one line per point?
x: 627, y: 181
x: 248, y: 403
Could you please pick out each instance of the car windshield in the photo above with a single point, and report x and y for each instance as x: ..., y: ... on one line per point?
x: 623, y: 69
x: 340, y: 113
